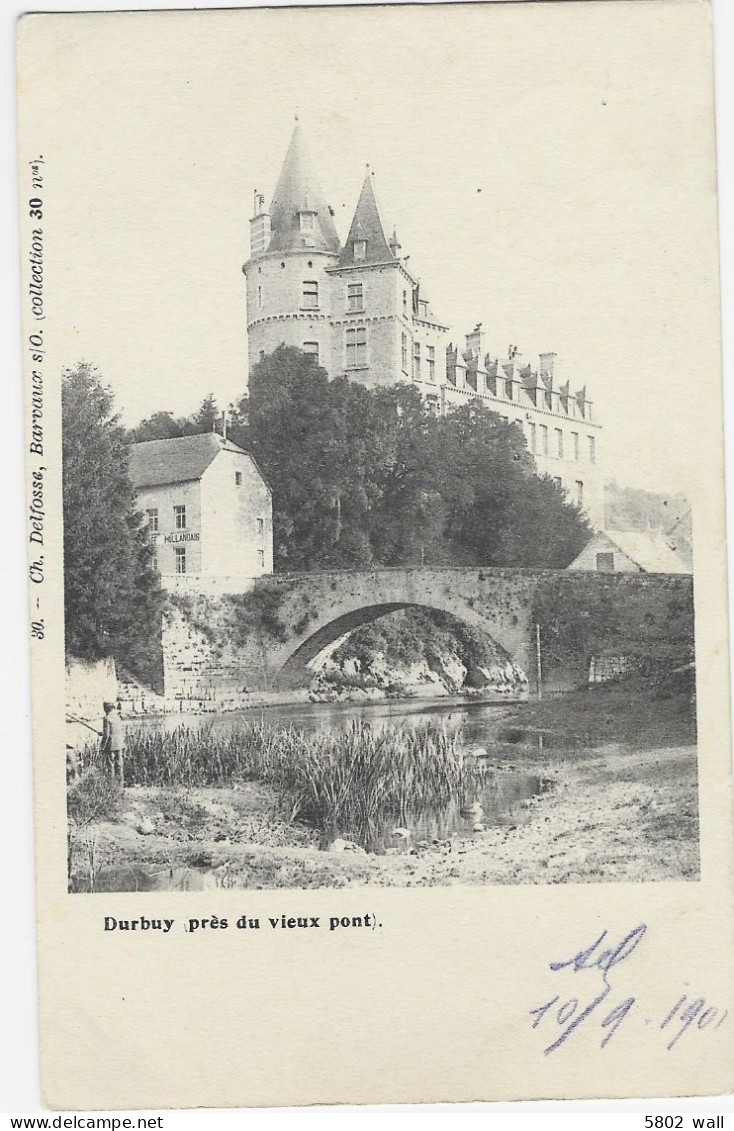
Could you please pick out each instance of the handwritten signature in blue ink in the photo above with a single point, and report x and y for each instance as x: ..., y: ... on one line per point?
x: 602, y: 956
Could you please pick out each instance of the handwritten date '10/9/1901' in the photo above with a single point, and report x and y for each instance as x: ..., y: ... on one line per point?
x: 561, y: 1017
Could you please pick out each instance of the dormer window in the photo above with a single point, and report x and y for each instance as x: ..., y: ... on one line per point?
x: 360, y: 250
x: 307, y: 221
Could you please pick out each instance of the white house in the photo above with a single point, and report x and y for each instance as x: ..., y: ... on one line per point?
x: 209, y: 510
x: 629, y: 551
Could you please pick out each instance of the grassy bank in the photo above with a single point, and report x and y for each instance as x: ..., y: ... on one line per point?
x: 624, y: 806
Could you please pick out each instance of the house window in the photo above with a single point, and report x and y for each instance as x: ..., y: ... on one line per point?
x: 559, y: 442
x: 355, y: 298
x: 180, y: 555
x: 312, y: 349
x: 592, y: 449
x: 404, y: 352
x: 533, y: 439
x: 544, y: 439
x: 238, y: 478
x: 260, y: 527
x: 431, y: 362
x: 360, y: 250
x: 261, y: 558
x: 152, y: 513
x: 356, y: 347
x: 605, y: 563
x: 575, y: 439
x: 310, y: 299
x: 179, y: 517
x: 416, y: 361
x: 580, y: 492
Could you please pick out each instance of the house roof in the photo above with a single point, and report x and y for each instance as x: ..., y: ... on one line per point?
x: 649, y: 550
x: 298, y: 191
x: 154, y: 463
x: 646, y: 548
x: 366, y: 225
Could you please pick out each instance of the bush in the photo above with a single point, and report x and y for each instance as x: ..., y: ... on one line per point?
x: 95, y: 796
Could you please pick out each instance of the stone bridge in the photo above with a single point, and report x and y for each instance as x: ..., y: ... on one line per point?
x: 316, y: 609
x: 268, y: 637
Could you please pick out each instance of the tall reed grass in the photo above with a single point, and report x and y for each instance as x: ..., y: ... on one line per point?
x: 346, y: 783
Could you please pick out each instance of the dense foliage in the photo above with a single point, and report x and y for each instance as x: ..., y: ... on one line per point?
x: 364, y: 477
x: 112, y: 598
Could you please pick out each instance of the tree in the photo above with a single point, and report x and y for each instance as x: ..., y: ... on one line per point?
x: 363, y: 477
x: 112, y: 596
x: 166, y: 426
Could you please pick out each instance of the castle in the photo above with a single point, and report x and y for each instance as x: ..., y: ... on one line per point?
x: 357, y: 309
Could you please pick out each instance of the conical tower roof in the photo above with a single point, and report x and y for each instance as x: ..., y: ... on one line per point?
x: 298, y: 191
x: 367, y: 226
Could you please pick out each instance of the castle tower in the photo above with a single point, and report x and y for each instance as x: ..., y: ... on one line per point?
x: 379, y: 321
x: 291, y: 246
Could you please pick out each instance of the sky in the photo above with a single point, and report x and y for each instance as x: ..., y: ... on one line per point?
x: 549, y: 170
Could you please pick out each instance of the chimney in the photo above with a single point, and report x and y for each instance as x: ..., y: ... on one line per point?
x: 474, y: 341
x: 260, y: 229
x: 547, y: 365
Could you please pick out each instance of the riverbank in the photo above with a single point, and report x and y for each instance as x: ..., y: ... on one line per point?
x: 621, y: 761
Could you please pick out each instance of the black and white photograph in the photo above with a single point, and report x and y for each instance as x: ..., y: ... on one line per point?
x: 376, y: 554
x: 377, y: 566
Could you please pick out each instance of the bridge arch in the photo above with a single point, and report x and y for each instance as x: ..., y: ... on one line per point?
x: 293, y: 663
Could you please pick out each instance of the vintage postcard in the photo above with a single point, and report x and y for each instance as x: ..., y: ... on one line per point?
x: 377, y: 562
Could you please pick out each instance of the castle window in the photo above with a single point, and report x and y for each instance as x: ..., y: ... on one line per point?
x: 310, y: 299
x: 416, y: 361
x: 575, y: 438
x: 261, y: 527
x: 360, y: 250
x: 152, y: 513
x: 180, y: 558
x: 592, y: 449
x: 312, y: 349
x: 259, y: 298
x: 238, y: 478
x: 544, y: 439
x: 431, y: 362
x: 533, y: 439
x: 355, y: 297
x: 579, y: 492
x: 356, y: 347
x: 405, y: 303
x: 559, y: 442
x: 306, y: 221
x: 404, y: 352
x: 262, y: 355
x: 179, y: 515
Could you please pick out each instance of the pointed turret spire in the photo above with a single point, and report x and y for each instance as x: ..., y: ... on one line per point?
x: 366, y: 241
x: 299, y: 215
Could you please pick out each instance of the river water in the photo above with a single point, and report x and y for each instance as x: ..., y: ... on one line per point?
x: 508, y: 786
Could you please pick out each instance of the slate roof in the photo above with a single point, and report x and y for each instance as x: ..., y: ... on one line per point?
x: 297, y: 191
x: 366, y: 225
x: 154, y: 463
